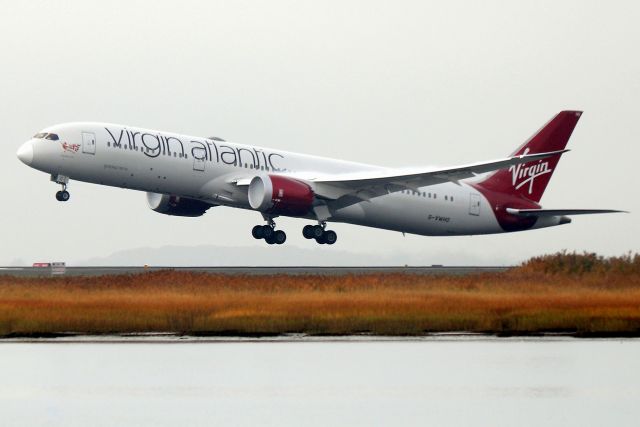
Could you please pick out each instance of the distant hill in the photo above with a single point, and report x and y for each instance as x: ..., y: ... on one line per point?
x: 211, y: 255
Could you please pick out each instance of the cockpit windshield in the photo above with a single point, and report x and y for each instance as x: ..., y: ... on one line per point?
x: 45, y: 135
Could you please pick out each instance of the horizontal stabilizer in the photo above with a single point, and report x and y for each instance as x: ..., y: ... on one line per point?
x: 559, y: 212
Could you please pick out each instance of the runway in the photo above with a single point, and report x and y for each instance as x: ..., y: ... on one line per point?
x: 256, y: 271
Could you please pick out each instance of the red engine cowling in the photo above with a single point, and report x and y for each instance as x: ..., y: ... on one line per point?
x: 176, y: 205
x: 280, y: 195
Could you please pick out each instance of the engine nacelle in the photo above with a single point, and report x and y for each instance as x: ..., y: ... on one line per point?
x: 280, y: 195
x: 176, y: 205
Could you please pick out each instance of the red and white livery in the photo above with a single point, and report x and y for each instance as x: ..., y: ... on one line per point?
x: 187, y: 175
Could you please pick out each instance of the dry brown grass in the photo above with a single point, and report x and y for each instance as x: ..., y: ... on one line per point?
x: 582, y: 294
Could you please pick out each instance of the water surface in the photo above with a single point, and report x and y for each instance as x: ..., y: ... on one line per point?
x: 441, y: 381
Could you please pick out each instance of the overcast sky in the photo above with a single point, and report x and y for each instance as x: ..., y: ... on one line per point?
x: 392, y: 83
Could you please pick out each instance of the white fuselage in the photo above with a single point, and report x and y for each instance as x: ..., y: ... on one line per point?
x: 209, y: 169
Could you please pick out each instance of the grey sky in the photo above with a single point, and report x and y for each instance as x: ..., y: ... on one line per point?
x: 391, y: 83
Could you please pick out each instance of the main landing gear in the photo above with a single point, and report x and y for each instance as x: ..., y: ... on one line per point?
x: 319, y: 233
x: 272, y: 236
x: 269, y: 233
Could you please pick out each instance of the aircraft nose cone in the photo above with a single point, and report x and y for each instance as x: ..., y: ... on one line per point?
x: 25, y: 153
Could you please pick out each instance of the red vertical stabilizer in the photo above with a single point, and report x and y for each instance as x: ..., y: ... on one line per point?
x: 529, y: 180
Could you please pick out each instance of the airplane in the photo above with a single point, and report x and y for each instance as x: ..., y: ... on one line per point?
x: 186, y: 176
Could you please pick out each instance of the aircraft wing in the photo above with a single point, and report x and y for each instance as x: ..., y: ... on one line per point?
x: 354, y: 188
x: 559, y: 212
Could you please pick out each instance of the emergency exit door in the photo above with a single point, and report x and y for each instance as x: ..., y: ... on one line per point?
x: 198, y: 164
x: 474, y: 205
x: 88, y: 143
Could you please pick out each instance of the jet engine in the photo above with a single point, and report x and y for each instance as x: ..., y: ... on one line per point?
x: 280, y: 195
x: 176, y: 205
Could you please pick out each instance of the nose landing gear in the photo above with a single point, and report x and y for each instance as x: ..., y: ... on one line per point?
x: 62, y: 195
x: 269, y: 233
x: 319, y: 233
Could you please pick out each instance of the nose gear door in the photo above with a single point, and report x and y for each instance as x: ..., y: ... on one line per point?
x: 88, y: 143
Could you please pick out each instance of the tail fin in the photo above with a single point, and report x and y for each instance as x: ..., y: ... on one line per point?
x: 529, y: 180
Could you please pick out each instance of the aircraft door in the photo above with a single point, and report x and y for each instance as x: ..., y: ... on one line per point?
x: 88, y: 143
x: 474, y: 205
x: 198, y: 164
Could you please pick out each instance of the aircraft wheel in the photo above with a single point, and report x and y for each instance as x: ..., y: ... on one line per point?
x: 318, y: 231
x: 62, y: 196
x: 270, y: 240
x: 307, y: 231
x: 256, y: 232
x: 279, y: 237
x: 267, y: 232
x: 329, y: 237
x: 320, y: 240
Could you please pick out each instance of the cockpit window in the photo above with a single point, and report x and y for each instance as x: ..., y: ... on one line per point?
x: 44, y: 135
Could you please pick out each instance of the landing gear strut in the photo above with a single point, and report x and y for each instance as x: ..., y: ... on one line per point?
x: 62, y: 195
x: 319, y: 233
x: 269, y: 233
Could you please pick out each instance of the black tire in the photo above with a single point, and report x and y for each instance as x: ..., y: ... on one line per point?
x: 307, y: 231
x: 330, y: 237
x: 256, y: 232
x: 267, y: 232
x: 59, y: 196
x: 270, y: 240
x: 65, y: 196
x: 279, y: 237
x: 318, y: 231
x: 320, y: 240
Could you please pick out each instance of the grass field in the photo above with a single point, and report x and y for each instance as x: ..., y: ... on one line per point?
x: 571, y: 293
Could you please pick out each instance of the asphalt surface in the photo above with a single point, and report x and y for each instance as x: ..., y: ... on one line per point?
x: 254, y: 271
